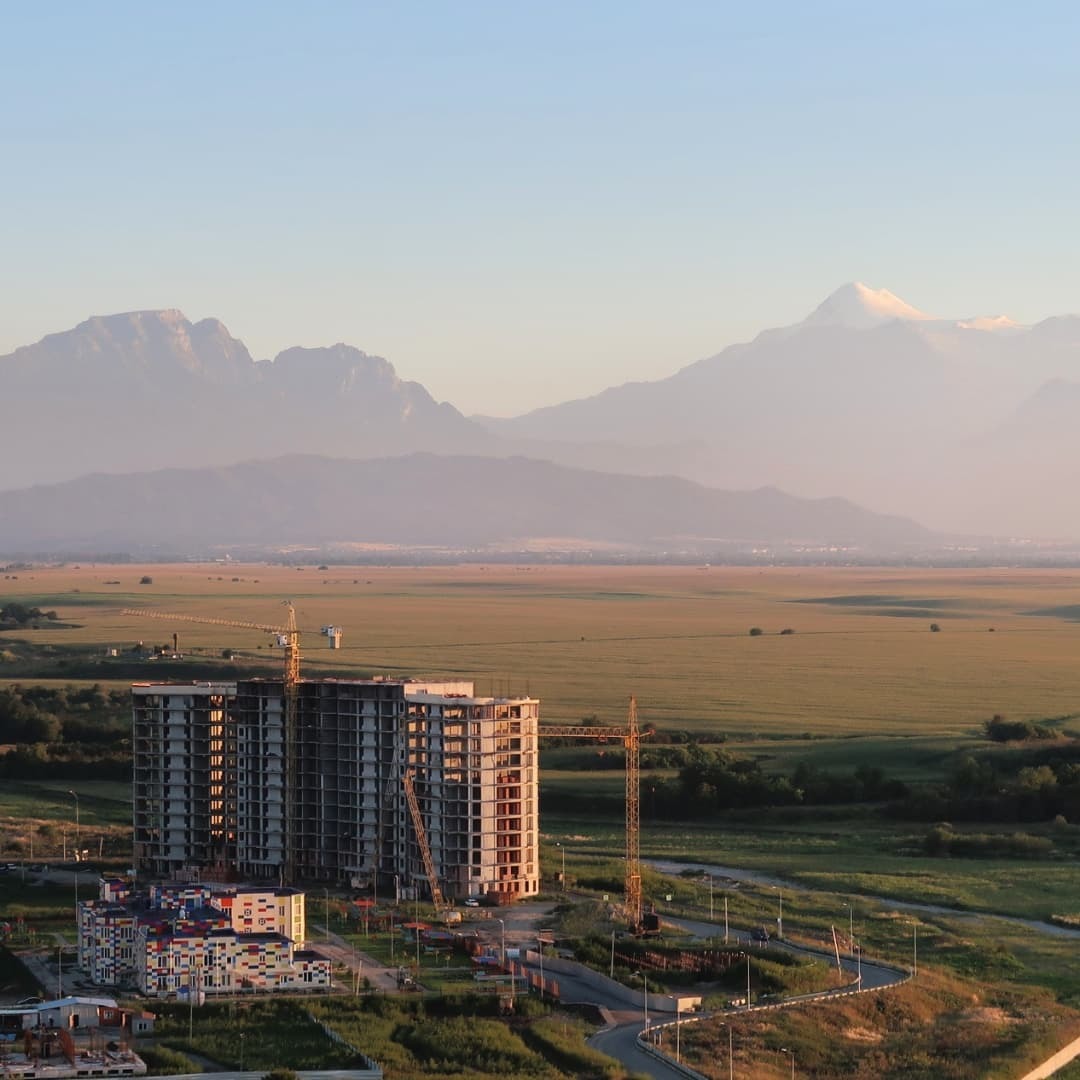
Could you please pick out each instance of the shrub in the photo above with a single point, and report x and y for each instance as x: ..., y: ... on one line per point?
x: 146, y: 579
x: 756, y: 631
x: 786, y: 630
x: 163, y: 1061
x: 1001, y: 730
x: 934, y: 628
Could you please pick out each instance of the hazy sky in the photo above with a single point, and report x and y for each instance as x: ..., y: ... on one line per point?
x: 517, y: 204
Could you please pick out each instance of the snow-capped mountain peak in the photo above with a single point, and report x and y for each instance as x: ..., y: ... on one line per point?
x: 857, y: 306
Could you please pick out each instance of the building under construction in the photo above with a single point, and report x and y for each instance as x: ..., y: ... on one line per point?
x: 225, y: 788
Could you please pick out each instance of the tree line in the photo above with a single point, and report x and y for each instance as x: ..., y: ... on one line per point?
x: 65, y: 732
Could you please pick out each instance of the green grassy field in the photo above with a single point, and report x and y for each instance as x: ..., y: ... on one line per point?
x: 849, y: 857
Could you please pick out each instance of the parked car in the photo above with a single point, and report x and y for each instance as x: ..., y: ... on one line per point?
x: 471, y: 901
x: 759, y: 933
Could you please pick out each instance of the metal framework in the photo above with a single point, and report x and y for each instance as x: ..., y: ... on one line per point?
x: 288, y: 637
x: 421, y: 840
x: 631, y: 740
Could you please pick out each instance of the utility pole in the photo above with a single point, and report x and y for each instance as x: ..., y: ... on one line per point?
x: 78, y: 842
x: 725, y: 920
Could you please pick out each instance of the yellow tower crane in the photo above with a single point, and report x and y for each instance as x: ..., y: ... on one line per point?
x: 631, y: 740
x: 437, y: 897
x: 288, y: 637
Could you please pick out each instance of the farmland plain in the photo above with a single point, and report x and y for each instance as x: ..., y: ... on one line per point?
x: 862, y: 660
x: 861, y: 680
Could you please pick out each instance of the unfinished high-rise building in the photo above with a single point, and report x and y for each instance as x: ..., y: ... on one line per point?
x: 219, y: 792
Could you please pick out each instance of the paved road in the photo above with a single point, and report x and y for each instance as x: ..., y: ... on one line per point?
x: 620, y: 1039
x: 874, y: 976
x: 737, y: 875
x: 620, y: 1042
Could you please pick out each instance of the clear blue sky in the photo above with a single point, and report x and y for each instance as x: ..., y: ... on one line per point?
x: 516, y: 203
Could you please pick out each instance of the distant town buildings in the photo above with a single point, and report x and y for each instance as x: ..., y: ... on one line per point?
x: 218, y: 792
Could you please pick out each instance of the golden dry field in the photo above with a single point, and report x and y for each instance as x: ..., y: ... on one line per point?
x: 862, y: 658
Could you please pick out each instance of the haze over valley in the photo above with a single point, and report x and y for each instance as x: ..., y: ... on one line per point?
x: 961, y: 425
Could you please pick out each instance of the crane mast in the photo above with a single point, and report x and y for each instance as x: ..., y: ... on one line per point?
x: 631, y: 740
x: 422, y: 841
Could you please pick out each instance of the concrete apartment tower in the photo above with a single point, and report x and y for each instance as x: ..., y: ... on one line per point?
x: 211, y: 791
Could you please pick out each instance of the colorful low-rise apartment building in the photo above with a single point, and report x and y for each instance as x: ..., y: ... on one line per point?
x: 197, y: 938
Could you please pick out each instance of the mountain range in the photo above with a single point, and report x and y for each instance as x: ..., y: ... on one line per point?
x: 963, y: 423
x: 968, y: 424
x: 440, y: 501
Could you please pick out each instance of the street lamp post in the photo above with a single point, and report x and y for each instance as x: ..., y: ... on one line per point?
x: 914, y: 949
x: 725, y: 920
x: 612, y: 972
x: 850, y: 929
x: 326, y: 912
x: 78, y: 923
x: 540, y: 950
x: 780, y: 920
x: 502, y: 943
x: 791, y: 1053
x: 78, y: 842
x: 562, y: 851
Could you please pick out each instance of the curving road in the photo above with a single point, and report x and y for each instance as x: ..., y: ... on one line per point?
x: 620, y: 1039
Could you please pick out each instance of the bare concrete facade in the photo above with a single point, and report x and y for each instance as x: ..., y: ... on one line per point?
x: 211, y: 784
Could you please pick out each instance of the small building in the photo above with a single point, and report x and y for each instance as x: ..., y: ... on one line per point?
x: 198, y: 938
